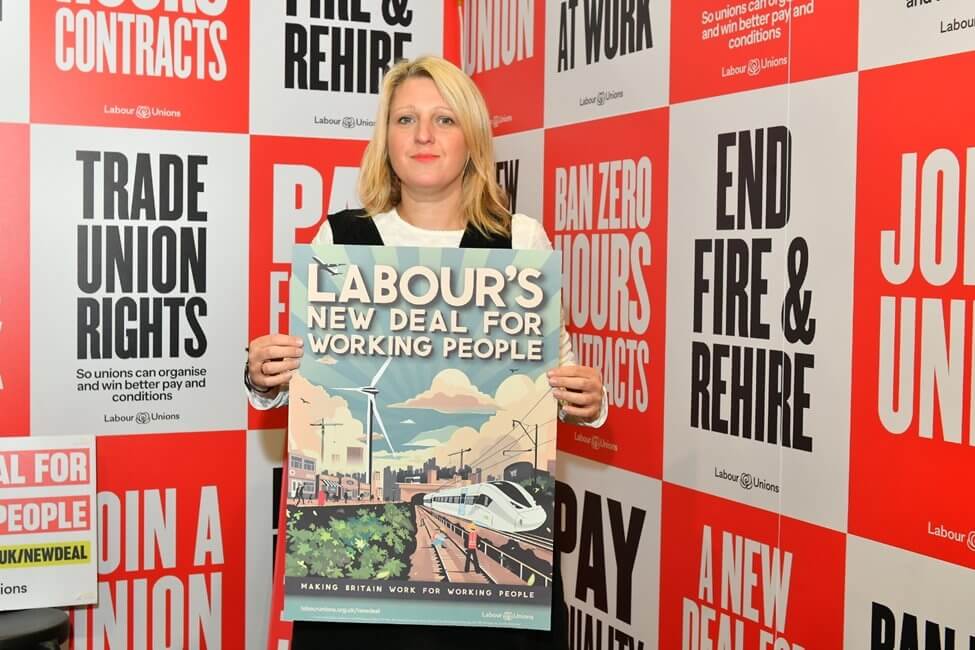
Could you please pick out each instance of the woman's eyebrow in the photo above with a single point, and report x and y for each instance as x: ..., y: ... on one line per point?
x: 412, y: 107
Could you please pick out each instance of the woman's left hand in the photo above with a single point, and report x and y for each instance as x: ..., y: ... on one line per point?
x: 579, y: 389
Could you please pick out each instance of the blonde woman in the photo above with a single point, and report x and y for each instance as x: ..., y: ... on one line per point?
x: 427, y: 179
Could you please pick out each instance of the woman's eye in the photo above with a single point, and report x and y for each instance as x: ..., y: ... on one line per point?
x: 445, y: 120
x: 404, y: 119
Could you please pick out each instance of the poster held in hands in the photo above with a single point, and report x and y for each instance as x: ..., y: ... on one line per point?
x: 421, y: 463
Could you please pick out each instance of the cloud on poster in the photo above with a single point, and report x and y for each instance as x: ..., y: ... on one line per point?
x: 451, y: 391
x: 431, y: 438
x: 517, y: 398
x: 343, y: 426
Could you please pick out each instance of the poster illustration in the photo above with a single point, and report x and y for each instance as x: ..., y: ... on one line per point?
x: 48, y: 532
x: 421, y: 464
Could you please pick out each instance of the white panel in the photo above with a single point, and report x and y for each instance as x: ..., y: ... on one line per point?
x: 596, y: 67
x: 321, y: 105
x: 15, y: 54
x: 638, y: 496
x: 519, y: 167
x: 890, y: 592
x: 897, y: 32
x: 806, y: 478
x: 116, y: 381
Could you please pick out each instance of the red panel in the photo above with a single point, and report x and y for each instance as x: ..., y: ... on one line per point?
x: 200, y: 84
x: 268, y: 277
x: 514, y: 92
x: 172, y: 519
x: 14, y: 281
x: 614, y: 269
x: 736, y: 579
x: 910, y: 466
x: 451, y: 31
x: 760, y: 45
x: 279, y: 629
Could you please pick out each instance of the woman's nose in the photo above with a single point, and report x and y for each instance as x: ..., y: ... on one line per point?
x: 424, y: 130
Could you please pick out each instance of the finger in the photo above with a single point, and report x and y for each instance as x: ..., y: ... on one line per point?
x: 584, y: 413
x: 570, y: 371
x: 573, y: 383
x: 277, y: 339
x: 270, y: 381
x: 258, y: 346
x: 276, y: 352
x: 277, y: 367
x: 577, y: 399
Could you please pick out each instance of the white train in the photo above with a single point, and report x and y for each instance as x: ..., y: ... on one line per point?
x: 501, y: 505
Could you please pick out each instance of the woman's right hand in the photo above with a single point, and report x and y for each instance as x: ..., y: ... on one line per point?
x: 272, y: 360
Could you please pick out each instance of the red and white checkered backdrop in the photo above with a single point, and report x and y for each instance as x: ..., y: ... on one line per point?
x: 765, y: 209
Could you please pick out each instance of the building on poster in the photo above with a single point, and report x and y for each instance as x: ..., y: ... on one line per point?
x: 142, y: 251
x: 322, y: 63
x: 48, y: 523
x: 421, y: 419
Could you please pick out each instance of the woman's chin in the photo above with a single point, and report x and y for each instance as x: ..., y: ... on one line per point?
x: 427, y: 185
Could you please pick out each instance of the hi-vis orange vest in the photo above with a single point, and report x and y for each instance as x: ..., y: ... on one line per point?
x: 472, y: 540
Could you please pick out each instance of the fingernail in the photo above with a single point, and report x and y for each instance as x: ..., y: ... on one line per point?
x: 301, y: 342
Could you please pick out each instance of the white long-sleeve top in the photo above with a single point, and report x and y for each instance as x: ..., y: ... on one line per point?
x: 526, y: 233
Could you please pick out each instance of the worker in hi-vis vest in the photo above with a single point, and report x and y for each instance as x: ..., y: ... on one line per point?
x: 471, y: 549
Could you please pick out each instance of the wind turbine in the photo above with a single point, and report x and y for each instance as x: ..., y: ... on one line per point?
x: 372, y: 411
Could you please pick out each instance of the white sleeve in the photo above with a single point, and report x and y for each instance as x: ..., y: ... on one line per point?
x: 262, y: 403
x: 528, y: 234
x: 536, y: 238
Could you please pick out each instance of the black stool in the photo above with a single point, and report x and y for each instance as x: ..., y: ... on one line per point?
x: 33, y: 629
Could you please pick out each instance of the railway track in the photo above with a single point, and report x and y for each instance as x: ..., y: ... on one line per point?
x: 437, y: 554
x: 541, y: 542
x: 440, y: 553
x: 490, y: 547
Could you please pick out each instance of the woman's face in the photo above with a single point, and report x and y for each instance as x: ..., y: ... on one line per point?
x: 426, y: 144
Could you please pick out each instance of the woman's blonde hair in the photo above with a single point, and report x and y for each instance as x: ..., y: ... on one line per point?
x: 482, y: 199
